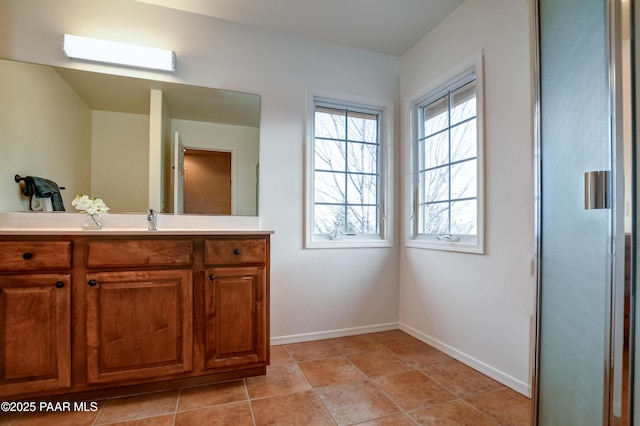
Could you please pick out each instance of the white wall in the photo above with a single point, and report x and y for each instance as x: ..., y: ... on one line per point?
x: 37, y: 106
x: 312, y: 291
x: 479, y: 307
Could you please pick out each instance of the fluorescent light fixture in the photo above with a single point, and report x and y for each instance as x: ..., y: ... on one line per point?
x: 131, y: 55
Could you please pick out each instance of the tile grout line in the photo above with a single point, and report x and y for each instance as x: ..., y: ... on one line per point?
x: 481, y: 412
x: 375, y: 385
x: 457, y: 397
x: 175, y: 412
x: 313, y: 388
x: 95, y: 420
x: 370, y: 379
x: 246, y: 392
x: 366, y: 378
x: 413, y: 367
x: 460, y: 398
x: 96, y: 423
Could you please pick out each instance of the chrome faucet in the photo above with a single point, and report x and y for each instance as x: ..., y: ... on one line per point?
x: 152, y: 220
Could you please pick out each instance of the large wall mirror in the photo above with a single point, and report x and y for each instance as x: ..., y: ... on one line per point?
x: 134, y: 143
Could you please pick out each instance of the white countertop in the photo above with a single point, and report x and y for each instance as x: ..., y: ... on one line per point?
x: 58, y: 223
x: 62, y: 231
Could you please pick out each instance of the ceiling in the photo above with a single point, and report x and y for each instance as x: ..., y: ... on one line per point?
x: 106, y: 92
x: 386, y: 26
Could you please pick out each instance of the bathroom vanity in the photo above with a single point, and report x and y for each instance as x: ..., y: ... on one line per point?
x: 126, y: 309
x: 107, y: 312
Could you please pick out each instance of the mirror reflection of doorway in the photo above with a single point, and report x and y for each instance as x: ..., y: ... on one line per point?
x: 207, y: 182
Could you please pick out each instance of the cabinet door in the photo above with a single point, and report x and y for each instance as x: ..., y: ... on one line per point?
x: 35, y: 330
x: 139, y: 324
x: 235, y: 317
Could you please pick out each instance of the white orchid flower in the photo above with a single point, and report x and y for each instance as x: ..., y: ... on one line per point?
x: 91, y: 206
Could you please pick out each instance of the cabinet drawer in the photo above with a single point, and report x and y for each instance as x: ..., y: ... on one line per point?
x: 136, y: 253
x: 35, y: 255
x: 223, y: 252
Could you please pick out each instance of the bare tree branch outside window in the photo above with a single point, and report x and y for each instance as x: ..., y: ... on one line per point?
x: 346, y: 175
x: 448, y: 164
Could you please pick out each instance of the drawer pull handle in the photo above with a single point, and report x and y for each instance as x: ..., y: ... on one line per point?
x: 236, y: 251
x: 59, y: 284
x: 212, y: 277
x: 92, y: 283
x: 27, y: 256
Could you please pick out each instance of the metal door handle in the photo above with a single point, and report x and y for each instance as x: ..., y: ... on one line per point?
x: 596, y: 190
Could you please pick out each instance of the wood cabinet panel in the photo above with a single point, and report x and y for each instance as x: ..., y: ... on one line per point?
x: 130, y: 311
x: 137, y: 253
x: 139, y: 324
x: 235, y: 251
x: 235, y: 316
x: 35, y: 255
x: 35, y: 332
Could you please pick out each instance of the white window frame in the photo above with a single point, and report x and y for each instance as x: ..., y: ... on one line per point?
x: 384, y: 238
x: 452, y: 79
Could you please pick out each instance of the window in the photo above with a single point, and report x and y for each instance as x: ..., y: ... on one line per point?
x: 346, y: 173
x: 447, y: 151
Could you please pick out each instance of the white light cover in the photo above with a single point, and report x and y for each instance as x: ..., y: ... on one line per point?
x: 93, y: 49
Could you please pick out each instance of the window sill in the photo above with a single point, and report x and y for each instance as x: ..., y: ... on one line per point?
x: 473, y: 247
x: 347, y: 242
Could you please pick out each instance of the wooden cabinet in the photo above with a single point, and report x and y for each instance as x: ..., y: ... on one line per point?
x: 83, y: 313
x: 139, y: 324
x: 157, y: 300
x: 236, y: 311
x: 35, y: 317
x: 235, y: 317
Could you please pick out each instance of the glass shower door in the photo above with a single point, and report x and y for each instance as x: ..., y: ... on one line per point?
x: 577, y: 223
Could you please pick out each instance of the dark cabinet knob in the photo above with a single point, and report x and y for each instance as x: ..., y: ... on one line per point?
x: 59, y: 284
x: 212, y: 277
x: 27, y: 256
x: 92, y: 283
x: 236, y: 251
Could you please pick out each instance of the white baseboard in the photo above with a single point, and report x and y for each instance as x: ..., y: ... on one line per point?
x: 307, y: 337
x: 509, y: 381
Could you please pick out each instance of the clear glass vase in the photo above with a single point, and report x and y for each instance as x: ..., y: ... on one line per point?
x: 92, y: 223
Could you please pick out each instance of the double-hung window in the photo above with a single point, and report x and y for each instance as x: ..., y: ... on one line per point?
x: 447, y: 162
x: 347, y: 188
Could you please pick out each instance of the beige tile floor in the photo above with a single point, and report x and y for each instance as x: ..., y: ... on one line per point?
x: 386, y: 378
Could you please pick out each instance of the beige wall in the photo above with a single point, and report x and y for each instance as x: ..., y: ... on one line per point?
x: 82, y: 145
x: 154, y: 179
x: 166, y: 202
x: 37, y: 105
x: 120, y: 142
